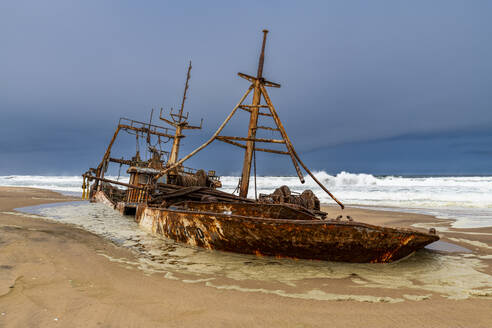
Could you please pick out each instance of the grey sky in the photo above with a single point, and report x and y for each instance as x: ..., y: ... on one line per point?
x: 351, y: 72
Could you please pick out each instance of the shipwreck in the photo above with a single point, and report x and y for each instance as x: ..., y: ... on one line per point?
x: 187, y: 206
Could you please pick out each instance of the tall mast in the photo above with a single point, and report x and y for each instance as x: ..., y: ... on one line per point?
x: 253, y: 123
x: 184, y: 93
x: 258, y: 86
x: 180, y: 122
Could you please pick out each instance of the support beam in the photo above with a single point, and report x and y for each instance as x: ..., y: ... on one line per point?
x: 99, y: 169
x: 252, y: 79
x: 231, y: 142
x: 274, y: 151
x: 121, y: 161
x: 209, y: 141
x: 290, y: 148
x: 254, y: 106
x: 252, y: 139
x: 267, y: 128
x: 90, y: 177
x: 145, y: 130
x: 248, y: 109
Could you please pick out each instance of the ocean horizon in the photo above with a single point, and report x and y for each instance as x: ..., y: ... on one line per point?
x: 465, y: 199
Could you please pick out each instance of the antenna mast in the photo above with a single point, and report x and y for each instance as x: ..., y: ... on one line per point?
x: 180, y: 123
x: 184, y: 93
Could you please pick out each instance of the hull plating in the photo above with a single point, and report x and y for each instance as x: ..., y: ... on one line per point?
x: 305, y: 239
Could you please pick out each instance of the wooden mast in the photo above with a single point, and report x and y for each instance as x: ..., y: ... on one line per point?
x: 253, y: 123
x: 258, y: 86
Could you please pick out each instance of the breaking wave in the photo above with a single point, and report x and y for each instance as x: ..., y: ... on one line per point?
x: 66, y: 184
x: 468, y: 200
x: 366, y: 189
x: 465, y: 199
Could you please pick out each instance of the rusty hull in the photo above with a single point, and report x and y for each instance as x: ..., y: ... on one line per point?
x: 293, y: 238
x: 101, y: 197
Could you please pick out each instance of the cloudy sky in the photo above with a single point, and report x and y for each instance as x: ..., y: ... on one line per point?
x: 384, y: 87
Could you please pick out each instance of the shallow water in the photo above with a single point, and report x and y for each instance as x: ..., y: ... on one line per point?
x: 455, y: 276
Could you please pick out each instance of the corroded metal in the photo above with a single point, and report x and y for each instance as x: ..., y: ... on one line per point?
x: 180, y: 123
x: 144, y: 174
x: 221, y: 227
x: 101, y: 197
x: 258, y: 85
x: 184, y: 206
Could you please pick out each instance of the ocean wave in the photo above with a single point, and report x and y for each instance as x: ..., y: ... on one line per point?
x: 453, y: 197
x: 391, y: 190
x: 353, y: 188
x: 71, y: 184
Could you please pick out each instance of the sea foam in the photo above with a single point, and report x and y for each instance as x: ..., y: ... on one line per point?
x: 426, y: 273
x: 465, y: 199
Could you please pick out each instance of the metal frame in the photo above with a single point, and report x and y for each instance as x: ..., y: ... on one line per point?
x: 258, y: 85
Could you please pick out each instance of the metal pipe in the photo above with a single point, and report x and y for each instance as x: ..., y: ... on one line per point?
x: 90, y: 177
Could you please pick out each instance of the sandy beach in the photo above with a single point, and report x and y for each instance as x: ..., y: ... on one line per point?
x: 54, y: 274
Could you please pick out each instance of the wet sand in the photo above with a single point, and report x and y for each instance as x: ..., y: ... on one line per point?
x: 53, y: 274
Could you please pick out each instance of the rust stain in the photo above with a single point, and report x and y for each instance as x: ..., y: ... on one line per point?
x: 279, y: 237
x: 183, y: 204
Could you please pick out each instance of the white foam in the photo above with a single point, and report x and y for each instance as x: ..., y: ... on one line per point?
x: 465, y: 199
x: 390, y: 191
x: 64, y: 184
x: 452, y: 276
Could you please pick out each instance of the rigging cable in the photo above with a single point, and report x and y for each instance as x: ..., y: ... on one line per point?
x: 119, y: 171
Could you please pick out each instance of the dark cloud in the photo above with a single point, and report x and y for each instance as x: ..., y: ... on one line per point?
x: 351, y: 72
